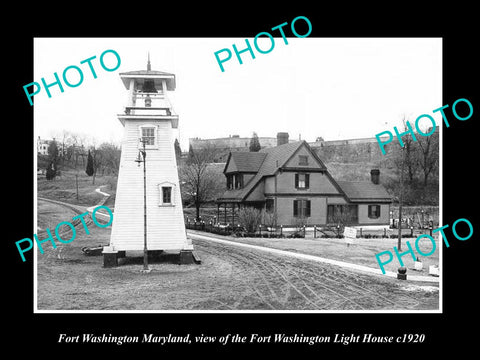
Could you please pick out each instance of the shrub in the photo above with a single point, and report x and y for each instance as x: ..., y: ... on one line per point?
x: 250, y: 218
x: 51, y: 171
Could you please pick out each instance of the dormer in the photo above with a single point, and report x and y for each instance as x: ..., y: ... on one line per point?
x: 241, y: 167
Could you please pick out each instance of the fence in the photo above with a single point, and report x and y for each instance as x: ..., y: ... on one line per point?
x: 416, y: 220
x: 417, y: 216
x: 302, y: 232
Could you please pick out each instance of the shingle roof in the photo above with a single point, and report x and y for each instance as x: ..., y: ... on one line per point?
x: 275, y: 157
x: 247, y: 161
x: 267, y: 161
x: 364, y: 191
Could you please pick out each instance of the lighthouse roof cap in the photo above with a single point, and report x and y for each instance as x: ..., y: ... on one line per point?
x: 157, y: 76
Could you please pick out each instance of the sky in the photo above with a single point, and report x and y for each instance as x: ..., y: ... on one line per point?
x: 336, y: 88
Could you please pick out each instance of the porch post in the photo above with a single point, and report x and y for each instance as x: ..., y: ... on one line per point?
x: 233, y: 215
x: 218, y: 212
x: 225, y: 212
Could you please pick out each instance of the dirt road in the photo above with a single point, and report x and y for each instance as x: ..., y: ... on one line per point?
x: 274, y: 282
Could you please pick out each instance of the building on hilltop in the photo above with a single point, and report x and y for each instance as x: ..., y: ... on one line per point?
x: 223, y: 146
x: 291, y: 182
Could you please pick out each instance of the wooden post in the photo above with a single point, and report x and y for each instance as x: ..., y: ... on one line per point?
x: 314, y: 231
x: 399, y: 244
x: 76, y: 182
x: 233, y: 215
x: 225, y: 212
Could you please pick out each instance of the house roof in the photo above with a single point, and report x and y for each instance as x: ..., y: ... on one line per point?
x: 245, y: 161
x: 358, y: 191
x: 273, y: 159
x: 268, y: 161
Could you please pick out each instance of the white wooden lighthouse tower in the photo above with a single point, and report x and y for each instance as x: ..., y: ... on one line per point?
x: 149, y: 119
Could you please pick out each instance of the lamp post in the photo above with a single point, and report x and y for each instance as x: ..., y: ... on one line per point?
x: 139, y: 160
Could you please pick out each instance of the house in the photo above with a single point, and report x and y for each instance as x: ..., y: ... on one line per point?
x: 42, y: 146
x: 291, y: 182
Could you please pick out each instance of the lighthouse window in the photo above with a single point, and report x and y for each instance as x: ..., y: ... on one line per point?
x: 148, y: 135
x: 166, y: 194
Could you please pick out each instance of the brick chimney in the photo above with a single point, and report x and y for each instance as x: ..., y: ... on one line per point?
x: 375, y: 176
x: 282, y: 138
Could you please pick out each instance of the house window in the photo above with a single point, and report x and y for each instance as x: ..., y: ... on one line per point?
x: 302, y: 181
x: 148, y: 135
x: 343, y: 214
x: 373, y: 211
x: 166, y: 194
x: 301, y: 208
x: 234, y: 181
x: 302, y: 160
x: 269, y: 205
x: 238, y: 181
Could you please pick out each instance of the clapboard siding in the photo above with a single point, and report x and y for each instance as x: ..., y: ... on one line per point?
x: 166, y: 228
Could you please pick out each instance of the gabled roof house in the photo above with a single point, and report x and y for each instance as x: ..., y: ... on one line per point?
x: 291, y: 181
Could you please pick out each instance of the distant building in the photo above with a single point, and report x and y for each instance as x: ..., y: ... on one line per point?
x: 223, y: 146
x: 42, y: 146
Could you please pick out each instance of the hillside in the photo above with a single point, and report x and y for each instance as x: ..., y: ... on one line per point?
x: 352, y: 160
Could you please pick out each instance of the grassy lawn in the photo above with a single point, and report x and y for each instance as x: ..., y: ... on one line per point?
x: 64, y: 188
x: 48, y: 215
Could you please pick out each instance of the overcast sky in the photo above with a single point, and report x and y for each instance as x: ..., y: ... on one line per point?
x: 337, y: 88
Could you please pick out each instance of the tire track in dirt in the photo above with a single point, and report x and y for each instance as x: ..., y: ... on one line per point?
x: 279, y: 282
x: 243, y: 268
x: 289, y: 283
x: 279, y: 274
x: 294, y: 272
x: 405, y: 302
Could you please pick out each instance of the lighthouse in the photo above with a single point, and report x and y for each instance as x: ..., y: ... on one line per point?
x: 148, y: 212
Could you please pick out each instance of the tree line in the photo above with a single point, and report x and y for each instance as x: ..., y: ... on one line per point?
x: 417, y: 168
x: 71, y: 151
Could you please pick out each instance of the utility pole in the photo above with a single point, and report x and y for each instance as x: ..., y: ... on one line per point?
x: 399, y: 245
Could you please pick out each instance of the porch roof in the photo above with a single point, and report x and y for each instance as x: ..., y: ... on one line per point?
x: 361, y: 191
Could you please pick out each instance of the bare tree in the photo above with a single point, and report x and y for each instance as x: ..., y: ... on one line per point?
x: 200, y: 182
x: 428, y: 155
x: 108, y: 158
x: 408, y: 157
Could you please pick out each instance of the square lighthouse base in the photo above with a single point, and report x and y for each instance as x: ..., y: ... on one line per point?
x: 184, y: 256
